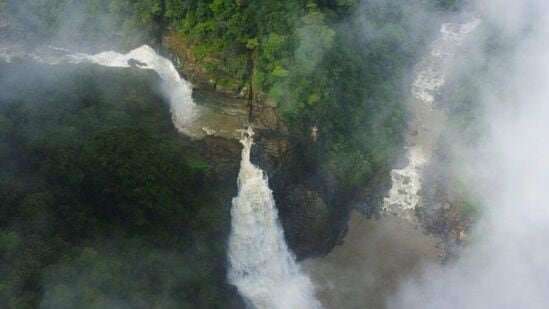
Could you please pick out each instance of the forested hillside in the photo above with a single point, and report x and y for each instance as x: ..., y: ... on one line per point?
x: 99, y: 207
x: 340, y: 65
x: 100, y: 203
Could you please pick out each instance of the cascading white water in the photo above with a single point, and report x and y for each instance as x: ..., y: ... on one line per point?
x: 178, y: 90
x: 194, y: 120
x: 260, y: 264
x: 429, y: 120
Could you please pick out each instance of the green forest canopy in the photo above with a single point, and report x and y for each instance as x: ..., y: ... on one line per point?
x: 99, y: 206
x: 339, y: 64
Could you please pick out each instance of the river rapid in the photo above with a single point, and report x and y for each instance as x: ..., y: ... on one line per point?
x: 377, y: 255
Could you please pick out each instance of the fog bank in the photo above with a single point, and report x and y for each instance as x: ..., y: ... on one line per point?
x: 505, y: 266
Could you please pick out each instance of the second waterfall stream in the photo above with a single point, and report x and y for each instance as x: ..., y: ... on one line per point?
x: 260, y: 263
x: 429, y: 118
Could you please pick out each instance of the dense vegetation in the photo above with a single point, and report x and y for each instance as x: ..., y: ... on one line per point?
x: 338, y: 65
x: 341, y: 65
x: 98, y: 205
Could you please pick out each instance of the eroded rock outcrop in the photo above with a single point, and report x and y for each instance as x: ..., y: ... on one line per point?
x: 181, y: 54
x: 313, y: 207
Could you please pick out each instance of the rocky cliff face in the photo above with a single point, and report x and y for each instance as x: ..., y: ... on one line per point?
x: 189, y: 65
x: 445, y: 212
x: 313, y: 208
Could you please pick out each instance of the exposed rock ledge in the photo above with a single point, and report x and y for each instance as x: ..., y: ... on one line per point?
x: 183, y: 57
x: 310, y: 206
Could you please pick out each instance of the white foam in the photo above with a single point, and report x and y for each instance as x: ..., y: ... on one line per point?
x: 404, y: 194
x: 261, y: 265
x: 178, y: 90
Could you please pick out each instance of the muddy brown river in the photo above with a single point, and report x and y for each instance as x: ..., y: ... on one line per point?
x: 367, y: 268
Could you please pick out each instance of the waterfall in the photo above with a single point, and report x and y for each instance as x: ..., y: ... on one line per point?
x: 177, y: 90
x: 429, y: 120
x: 260, y: 264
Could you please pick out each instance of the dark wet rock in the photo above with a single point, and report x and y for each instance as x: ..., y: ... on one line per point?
x: 180, y: 53
x: 186, y: 63
x: 444, y: 211
x: 369, y: 200
x: 233, y: 298
x: 267, y: 117
x: 223, y: 155
x: 136, y: 63
x: 313, y: 210
x: 307, y: 223
x: 313, y: 207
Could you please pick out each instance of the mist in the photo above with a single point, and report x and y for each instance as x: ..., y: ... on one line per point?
x: 506, y: 170
x: 105, y: 202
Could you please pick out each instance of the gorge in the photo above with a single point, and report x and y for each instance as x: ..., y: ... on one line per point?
x: 273, y: 154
